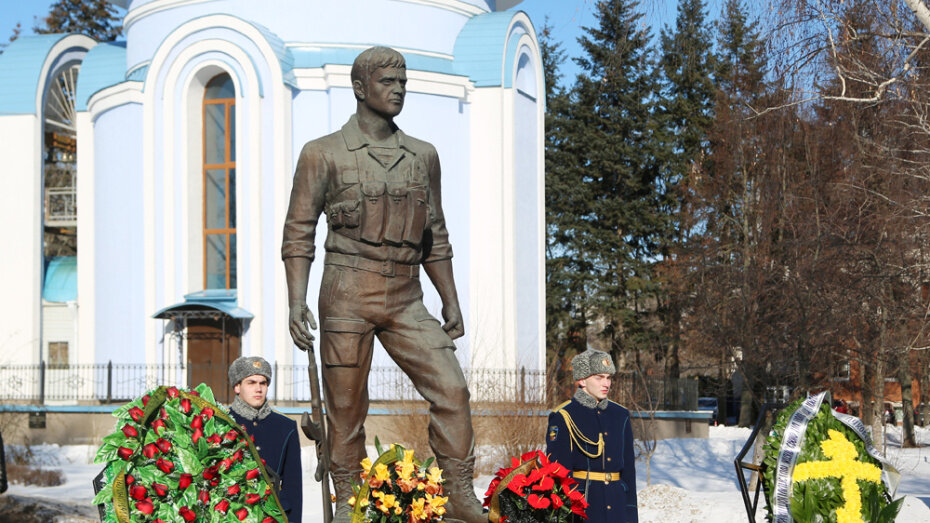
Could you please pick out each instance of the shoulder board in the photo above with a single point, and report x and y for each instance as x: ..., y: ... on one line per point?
x: 562, y: 406
x: 617, y: 404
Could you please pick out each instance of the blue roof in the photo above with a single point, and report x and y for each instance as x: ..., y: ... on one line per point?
x: 479, y: 48
x: 60, y: 279
x: 223, y: 300
x: 285, y: 59
x: 20, y: 66
x: 138, y: 74
x: 104, y: 66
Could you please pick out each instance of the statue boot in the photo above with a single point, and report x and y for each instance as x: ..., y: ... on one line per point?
x: 459, y: 487
x: 342, y: 484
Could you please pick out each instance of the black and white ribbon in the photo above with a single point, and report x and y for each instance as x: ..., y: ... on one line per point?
x: 890, y: 475
x: 793, y: 441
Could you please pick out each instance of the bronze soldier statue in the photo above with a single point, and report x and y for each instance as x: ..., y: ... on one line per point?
x: 380, y: 189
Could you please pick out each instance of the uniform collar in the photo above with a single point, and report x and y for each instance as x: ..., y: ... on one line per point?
x: 588, y: 400
x: 248, y: 412
x: 356, y: 139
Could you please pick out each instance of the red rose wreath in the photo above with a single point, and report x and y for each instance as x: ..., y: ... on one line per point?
x: 178, y: 457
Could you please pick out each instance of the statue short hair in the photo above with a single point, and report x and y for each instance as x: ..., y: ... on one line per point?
x: 372, y: 59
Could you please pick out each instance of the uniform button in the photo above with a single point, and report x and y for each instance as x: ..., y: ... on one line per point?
x: 255, y: 423
x: 608, y: 459
x: 257, y: 447
x: 608, y: 507
x: 605, y: 433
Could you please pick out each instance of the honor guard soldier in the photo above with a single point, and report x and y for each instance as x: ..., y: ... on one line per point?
x: 593, y: 437
x: 275, y: 435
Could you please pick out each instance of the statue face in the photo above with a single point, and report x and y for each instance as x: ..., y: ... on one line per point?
x: 385, y: 91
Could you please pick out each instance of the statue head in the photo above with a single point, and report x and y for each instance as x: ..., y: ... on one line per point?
x: 372, y: 59
x: 379, y: 79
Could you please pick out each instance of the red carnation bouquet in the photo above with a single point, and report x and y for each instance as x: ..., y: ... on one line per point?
x: 177, y: 456
x: 534, y: 489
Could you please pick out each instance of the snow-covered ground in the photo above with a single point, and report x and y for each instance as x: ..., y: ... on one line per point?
x: 691, y: 480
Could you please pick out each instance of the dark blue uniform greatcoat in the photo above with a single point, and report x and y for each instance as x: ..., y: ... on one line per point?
x: 278, y: 443
x: 614, y: 502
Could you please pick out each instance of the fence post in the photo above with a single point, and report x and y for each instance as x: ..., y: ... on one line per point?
x: 42, y: 382
x: 110, y: 381
x: 522, y: 385
x: 276, y: 382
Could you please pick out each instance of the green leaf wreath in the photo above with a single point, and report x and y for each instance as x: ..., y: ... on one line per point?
x: 178, y: 457
x: 817, y: 491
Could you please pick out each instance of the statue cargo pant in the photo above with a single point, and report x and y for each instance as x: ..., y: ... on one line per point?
x: 356, y: 304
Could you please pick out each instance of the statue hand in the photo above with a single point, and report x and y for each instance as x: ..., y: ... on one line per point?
x: 298, y: 322
x: 454, y: 326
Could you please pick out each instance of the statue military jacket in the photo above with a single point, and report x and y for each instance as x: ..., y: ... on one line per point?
x: 613, y: 502
x: 278, y: 443
x: 381, y: 202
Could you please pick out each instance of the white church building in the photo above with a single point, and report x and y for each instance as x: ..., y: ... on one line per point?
x: 144, y: 182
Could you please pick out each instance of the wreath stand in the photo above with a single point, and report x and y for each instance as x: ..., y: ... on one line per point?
x: 751, y: 499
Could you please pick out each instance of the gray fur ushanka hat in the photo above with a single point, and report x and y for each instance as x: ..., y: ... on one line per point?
x: 590, y: 362
x: 247, y: 366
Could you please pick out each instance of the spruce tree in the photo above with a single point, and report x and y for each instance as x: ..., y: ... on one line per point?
x: 687, y: 65
x: 740, y: 59
x: 565, y: 308
x: 613, y: 144
x: 95, y: 18
x: 686, y: 101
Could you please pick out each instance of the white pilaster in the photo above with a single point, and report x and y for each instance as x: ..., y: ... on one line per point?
x: 86, y: 226
x: 20, y: 209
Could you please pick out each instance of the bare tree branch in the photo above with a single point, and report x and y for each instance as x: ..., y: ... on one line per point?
x: 921, y: 11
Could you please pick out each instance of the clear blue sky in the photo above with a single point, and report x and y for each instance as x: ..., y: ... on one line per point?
x: 22, y: 11
x: 567, y: 17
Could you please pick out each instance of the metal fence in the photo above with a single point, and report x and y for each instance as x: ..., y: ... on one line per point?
x: 120, y: 382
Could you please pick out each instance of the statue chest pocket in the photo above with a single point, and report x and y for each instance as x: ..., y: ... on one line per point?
x: 343, y: 214
x: 396, y: 213
x: 373, y: 211
x: 417, y: 213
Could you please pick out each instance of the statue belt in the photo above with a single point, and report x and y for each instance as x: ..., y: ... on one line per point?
x: 606, y: 477
x: 387, y: 268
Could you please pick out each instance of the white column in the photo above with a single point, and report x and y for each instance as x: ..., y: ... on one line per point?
x: 20, y: 210
x: 86, y: 227
x: 492, y: 329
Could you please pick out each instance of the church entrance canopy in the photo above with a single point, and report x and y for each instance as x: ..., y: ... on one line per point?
x: 211, y: 322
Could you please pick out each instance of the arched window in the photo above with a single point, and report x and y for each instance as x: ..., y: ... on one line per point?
x: 219, y: 184
x: 60, y: 165
x: 59, y: 221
